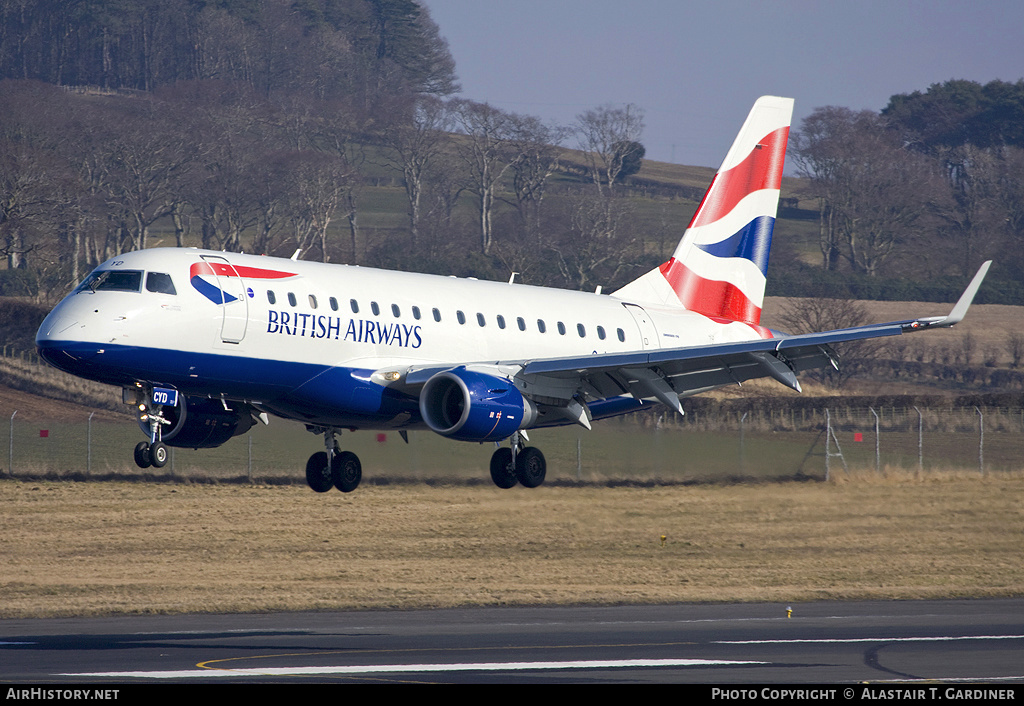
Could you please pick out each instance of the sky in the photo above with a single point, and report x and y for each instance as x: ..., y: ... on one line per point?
x: 695, y: 68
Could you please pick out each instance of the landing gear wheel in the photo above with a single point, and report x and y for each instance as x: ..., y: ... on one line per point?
x: 142, y: 455
x: 503, y: 471
x: 158, y: 455
x: 346, y: 471
x: 531, y: 467
x: 318, y: 472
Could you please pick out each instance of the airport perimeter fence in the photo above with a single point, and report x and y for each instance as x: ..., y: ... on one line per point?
x: 716, y: 447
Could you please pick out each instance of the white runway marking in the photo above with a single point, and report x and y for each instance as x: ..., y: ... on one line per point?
x: 409, y: 668
x: 868, y: 639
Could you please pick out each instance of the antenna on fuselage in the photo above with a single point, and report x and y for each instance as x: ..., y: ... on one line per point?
x: 295, y: 255
x: 512, y: 278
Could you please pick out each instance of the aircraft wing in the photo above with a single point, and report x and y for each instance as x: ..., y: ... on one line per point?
x: 568, y: 384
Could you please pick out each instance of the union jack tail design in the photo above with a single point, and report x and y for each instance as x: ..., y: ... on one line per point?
x: 718, y: 269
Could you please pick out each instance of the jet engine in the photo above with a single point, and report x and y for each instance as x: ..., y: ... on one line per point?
x: 201, y: 423
x: 472, y: 406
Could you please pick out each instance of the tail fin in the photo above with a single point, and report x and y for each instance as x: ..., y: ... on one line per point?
x: 718, y: 269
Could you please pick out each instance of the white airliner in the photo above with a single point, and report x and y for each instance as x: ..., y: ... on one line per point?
x: 205, y: 343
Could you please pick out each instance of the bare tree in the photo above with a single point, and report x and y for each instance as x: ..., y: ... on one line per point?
x: 44, y: 204
x: 595, y: 240
x: 970, y: 214
x: 488, y: 152
x: 890, y: 190
x: 146, y: 161
x: 1011, y: 202
x: 823, y: 314
x: 872, y: 192
x: 418, y: 142
x: 319, y: 183
x: 537, y: 150
x: 1015, y: 348
x: 819, y: 155
x: 594, y: 248
x: 601, y: 134
x: 444, y: 185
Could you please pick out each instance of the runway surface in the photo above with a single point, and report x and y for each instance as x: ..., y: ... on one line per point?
x: 822, y: 643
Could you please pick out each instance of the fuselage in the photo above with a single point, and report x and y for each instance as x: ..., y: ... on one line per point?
x: 315, y: 342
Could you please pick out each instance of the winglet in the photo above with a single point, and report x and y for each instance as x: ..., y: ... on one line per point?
x: 960, y: 308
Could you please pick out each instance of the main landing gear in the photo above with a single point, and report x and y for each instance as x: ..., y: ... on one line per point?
x: 333, y: 467
x: 518, y: 464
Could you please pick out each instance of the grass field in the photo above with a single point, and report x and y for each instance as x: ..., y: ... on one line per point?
x: 118, y: 547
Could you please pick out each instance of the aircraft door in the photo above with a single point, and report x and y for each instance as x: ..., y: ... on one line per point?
x: 648, y: 333
x: 235, y: 306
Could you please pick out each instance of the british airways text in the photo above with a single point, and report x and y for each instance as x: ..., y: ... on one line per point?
x: 290, y: 323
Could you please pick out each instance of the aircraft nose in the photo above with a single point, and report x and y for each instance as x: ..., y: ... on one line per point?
x: 54, y: 325
x: 54, y: 351
x: 56, y: 339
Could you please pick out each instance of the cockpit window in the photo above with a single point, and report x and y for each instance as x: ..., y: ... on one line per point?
x: 159, y: 282
x: 112, y: 280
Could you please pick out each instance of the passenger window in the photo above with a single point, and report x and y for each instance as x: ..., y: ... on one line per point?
x: 355, y: 305
x: 622, y: 335
x: 501, y: 321
x: 581, y: 331
x: 561, y: 328
x: 374, y: 308
x: 291, y: 299
x: 600, y: 332
x: 540, y: 326
x: 460, y: 316
x: 312, y: 302
x: 271, y: 297
x: 334, y: 304
x: 521, y: 323
x: 416, y: 313
x: 437, y: 315
x: 395, y: 311
x: 159, y: 282
x: 480, y: 320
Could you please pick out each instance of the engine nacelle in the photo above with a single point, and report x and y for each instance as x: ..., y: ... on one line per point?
x: 471, y: 406
x: 201, y: 423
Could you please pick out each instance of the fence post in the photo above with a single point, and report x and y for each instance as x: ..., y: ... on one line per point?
x: 981, y: 441
x: 920, y: 434
x: 88, y: 447
x: 828, y: 447
x: 10, y: 450
x: 743, y: 454
x: 878, y: 464
x: 830, y: 436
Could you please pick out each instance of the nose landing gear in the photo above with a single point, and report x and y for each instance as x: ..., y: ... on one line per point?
x: 147, y: 455
x: 153, y: 452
